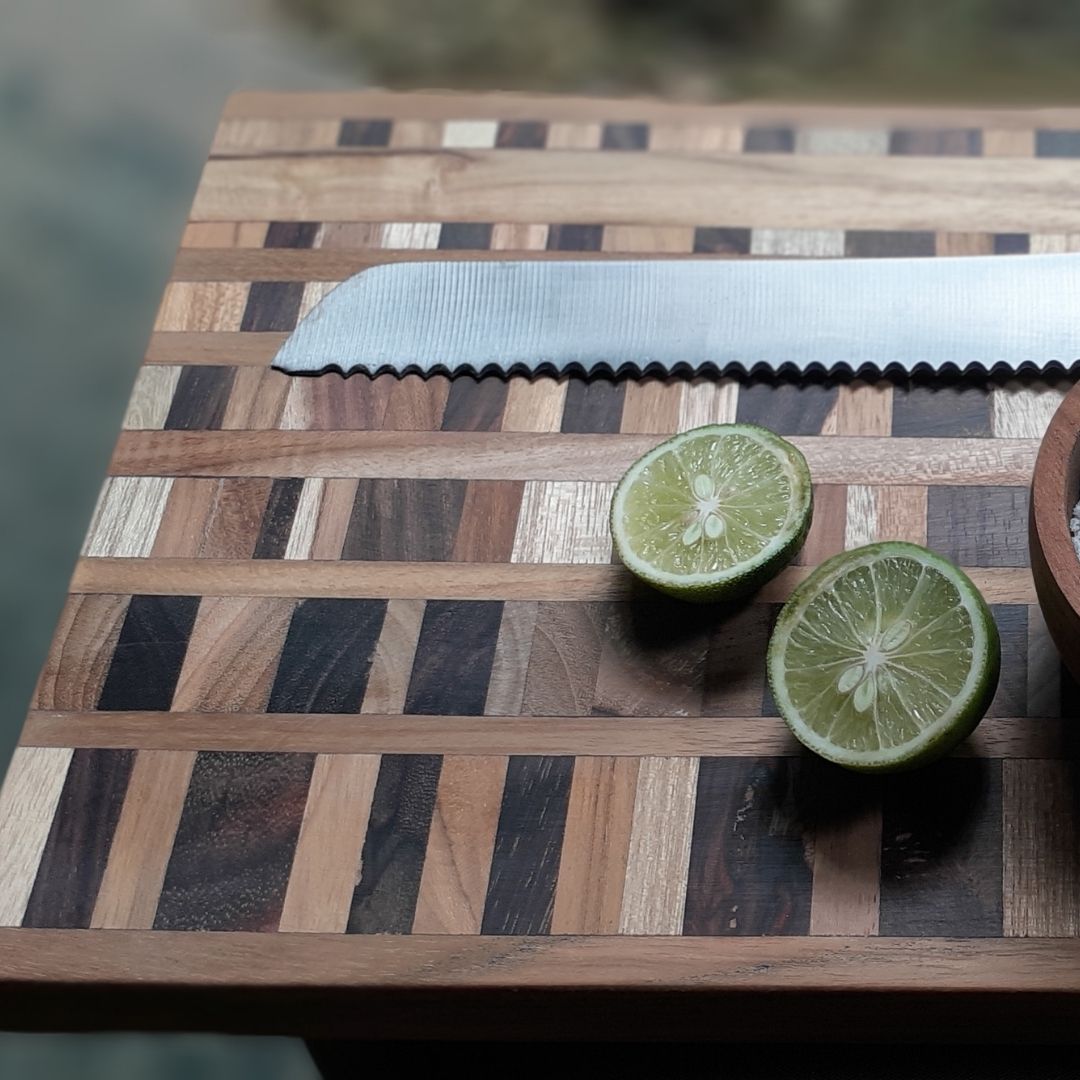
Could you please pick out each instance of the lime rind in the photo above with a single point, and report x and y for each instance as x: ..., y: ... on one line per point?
x: 757, y: 537
x: 978, y: 644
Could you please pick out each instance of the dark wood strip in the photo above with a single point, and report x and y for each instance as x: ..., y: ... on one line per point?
x: 979, y: 526
x: 365, y: 133
x: 149, y: 653
x: 948, y: 142
x: 785, y: 406
x: 888, y: 243
x: 653, y: 659
x: 200, y: 399
x: 957, y: 409
x: 1011, y: 243
x: 1011, y: 698
x: 410, y: 520
x: 77, y: 848
x: 522, y: 134
x: 525, y: 864
x: 625, y: 137
x: 575, y: 238
x: 488, y: 523
x: 734, y: 676
x: 721, y: 241
x: 278, y: 519
x: 291, y: 234
x: 235, y: 842
x: 1057, y: 144
x: 392, y: 860
x: 593, y: 405
x: 475, y: 404
x: 327, y: 656
x: 564, y: 660
x: 941, y: 856
x: 749, y: 872
x: 454, y: 654
x: 769, y: 140
x: 465, y: 236
x: 272, y: 305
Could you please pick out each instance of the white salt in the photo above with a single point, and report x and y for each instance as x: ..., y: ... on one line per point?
x: 1074, y: 528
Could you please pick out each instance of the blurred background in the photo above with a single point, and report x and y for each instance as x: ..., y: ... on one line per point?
x: 107, y: 109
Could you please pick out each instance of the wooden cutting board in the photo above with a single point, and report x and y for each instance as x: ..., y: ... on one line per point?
x: 352, y: 726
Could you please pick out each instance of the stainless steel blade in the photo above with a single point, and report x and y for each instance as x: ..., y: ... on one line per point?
x: 981, y: 312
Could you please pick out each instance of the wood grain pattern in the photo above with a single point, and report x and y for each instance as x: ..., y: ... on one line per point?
x: 392, y: 662
x: 444, y: 581
x: 534, y: 404
x: 151, y: 397
x: 654, y: 895
x: 28, y: 801
x: 73, y: 859
x: 652, y: 405
x: 234, y: 843
x: 596, y: 845
x: 563, y: 522
x: 127, y: 516
x: 461, y: 841
x: 327, y: 861
x: 467, y: 455
x: 488, y: 521
x: 256, y: 400
x: 510, y: 664
x: 143, y: 840
x: 581, y: 734
x: 564, y: 660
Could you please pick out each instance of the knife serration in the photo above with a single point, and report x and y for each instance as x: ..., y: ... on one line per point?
x: 983, y: 312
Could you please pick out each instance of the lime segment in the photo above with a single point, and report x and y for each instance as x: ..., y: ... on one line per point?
x: 713, y: 512
x: 884, y: 658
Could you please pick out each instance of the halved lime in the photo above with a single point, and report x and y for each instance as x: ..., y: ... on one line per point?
x: 712, y: 513
x: 884, y: 658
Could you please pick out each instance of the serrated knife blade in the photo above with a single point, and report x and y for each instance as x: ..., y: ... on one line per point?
x: 984, y: 312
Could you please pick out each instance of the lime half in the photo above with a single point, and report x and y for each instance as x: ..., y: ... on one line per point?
x: 712, y: 513
x: 884, y: 658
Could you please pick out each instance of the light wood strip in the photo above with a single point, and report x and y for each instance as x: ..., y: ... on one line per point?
x: 652, y: 406
x: 186, y: 519
x: 470, y: 134
x: 1008, y: 142
x: 314, y: 294
x: 1021, y: 410
x: 345, y: 243
x: 861, y: 409
x: 236, y: 235
x: 1040, y: 873
x: 677, y: 736
x: 28, y: 799
x: 573, y: 135
x: 256, y: 400
x: 81, y: 651
x: 326, y: 865
x: 203, y: 306
x: 334, y: 513
x: 842, y: 141
x: 534, y: 404
x: 964, y: 243
x: 142, y: 843
x: 410, y: 235
x: 253, y: 136
x: 409, y: 134
x: 669, y: 240
x: 519, y: 238
x: 901, y: 513
x: 199, y: 347
x: 233, y: 654
x: 302, y: 531
x: 434, y: 106
x: 847, y: 874
x: 564, y: 522
x: 509, y: 668
x: 457, y: 863
x: 151, y: 397
x: 392, y: 663
x: 127, y: 516
x: 708, y: 401
x: 435, y: 581
x: 810, y: 243
x: 596, y: 846
x: 506, y: 455
x: 696, y: 138
x: 788, y: 191
x: 654, y: 894
x: 862, y: 523
x: 1054, y: 243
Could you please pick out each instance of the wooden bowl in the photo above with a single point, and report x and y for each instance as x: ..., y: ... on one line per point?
x: 1055, y: 490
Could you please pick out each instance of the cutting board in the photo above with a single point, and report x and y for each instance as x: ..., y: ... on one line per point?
x: 351, y: 724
